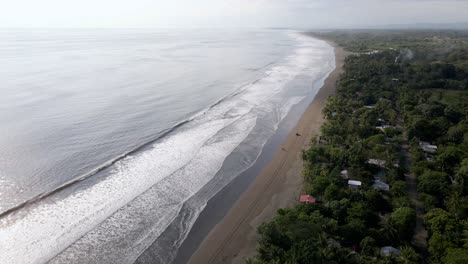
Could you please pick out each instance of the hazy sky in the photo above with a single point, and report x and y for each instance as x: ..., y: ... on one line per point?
x: 228, y: 13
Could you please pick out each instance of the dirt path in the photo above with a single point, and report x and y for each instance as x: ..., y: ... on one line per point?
x: 420, y: 233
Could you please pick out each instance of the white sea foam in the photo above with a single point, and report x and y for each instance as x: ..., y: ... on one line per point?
x: 116, y: 239
x: 48, y: 228
x: 117, y: 218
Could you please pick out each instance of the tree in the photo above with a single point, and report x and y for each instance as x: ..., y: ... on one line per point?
x: 449, y: 158
x: 462, y: 175
x: 429, y: 201
x: 404, y: 220
x: 368, y: 246
x: 353, y: 231
x: 273, y: 244
x: 332, y: 192
x: 320, y: 184
x: 434, y: 183
x: 360, y: 211
x: 376, y: 201
x: 408, y: 256
x: 440, y: 221
x: 438, y: 246
x: 398, y: 189
x: 453, y: 114
x: 456, y: 256
x: 389, y: 230
x: 456, y: 204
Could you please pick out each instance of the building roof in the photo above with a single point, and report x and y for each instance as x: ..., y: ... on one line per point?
x: 378, y: 184
x: 427, y: 147
x: 355, y: 183
x: 383, y: 127
x: 344, y: 174
x: 380, y: 163
x: 305, y: 198
x: 388, y: 251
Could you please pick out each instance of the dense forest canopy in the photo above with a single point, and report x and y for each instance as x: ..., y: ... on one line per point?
x: 398, y: 125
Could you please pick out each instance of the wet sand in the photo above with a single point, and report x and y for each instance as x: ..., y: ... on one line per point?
x: 277, y: 184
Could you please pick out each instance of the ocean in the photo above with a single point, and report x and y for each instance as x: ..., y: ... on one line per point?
x: 110, y: 136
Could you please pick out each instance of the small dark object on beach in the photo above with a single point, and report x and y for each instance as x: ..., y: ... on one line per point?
x: 297, y: 134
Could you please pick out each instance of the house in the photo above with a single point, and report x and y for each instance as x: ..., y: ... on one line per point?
x: 372, y: 52
x: 344, y: 174
x: 377, y: 162
x: 427, y: 147
x: 380, y: 185
x: 354, y: 185
x: 383, y: 127
x: 429, y: 158
x: 389, y: 251
x: 305, y: 198
x: 385, y: 99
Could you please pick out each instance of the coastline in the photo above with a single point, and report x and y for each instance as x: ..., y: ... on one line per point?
x: 276, y: 184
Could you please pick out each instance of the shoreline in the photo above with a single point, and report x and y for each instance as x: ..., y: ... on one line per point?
x: 276, y: 183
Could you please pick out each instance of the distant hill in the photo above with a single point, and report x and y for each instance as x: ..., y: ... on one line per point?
x: 463, y: 25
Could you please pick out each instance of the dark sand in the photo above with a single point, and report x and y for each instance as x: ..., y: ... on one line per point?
x: 277, y: 183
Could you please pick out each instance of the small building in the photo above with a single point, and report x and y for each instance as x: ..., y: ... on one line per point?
x: 389, y: 251
x: 429, y: 158
x: 377, y: 162
x: 383, y: 127
x: 428, y: 147
x: 369, y: 106
x: 344, y: 174
x: 385, y: 99
x: 380, y: 185
x: 372, y: 52
x: 354, y: 185
x: 305, y: 198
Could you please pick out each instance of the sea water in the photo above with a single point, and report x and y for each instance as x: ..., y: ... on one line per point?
x: 110, y: 136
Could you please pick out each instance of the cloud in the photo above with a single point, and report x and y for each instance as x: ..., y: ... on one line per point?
x: 228, y: 13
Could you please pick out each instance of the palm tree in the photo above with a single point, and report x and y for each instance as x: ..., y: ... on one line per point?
x: 453, y: 203
x: 323, y: 246
x: 408, y: 256
x: 389, y: 229
x: 465, y: 239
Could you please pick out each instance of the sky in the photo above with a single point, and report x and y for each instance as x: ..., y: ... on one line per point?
x: 228, y: 13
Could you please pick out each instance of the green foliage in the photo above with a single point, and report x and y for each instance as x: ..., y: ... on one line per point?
x: 440, y: 221
x: 438, y: 246
x: 403, y: 220
x: 295, y: 236
x: 456, y: 256
x: 408, y: 256
x: 418, y: 89
x: 434, y: 183
x: 368, y: 246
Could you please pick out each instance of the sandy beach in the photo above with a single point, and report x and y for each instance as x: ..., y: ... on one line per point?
x: 278, y: 185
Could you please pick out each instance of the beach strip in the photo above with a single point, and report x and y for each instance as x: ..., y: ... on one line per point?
x: 278, y: 185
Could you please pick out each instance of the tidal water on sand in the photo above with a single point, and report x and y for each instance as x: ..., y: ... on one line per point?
x: 108, y: 137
